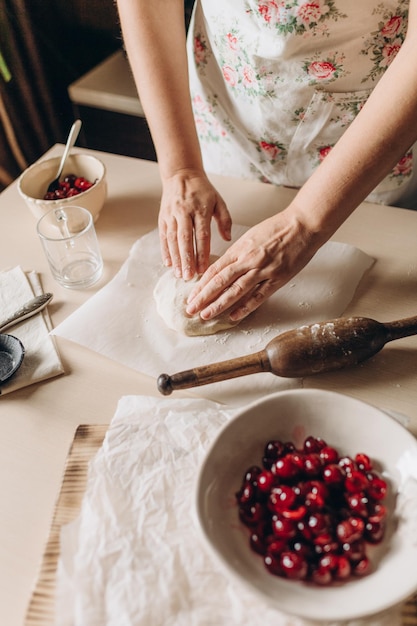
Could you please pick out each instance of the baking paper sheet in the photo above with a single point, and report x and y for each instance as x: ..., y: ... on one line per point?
x: 121, y: 321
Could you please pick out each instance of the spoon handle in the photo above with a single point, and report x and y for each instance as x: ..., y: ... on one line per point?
x: 72, y: 138
x: 27, y: 310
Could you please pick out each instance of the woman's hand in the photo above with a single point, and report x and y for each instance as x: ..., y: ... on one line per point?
x: 265, y: 258
x: 189, y: 202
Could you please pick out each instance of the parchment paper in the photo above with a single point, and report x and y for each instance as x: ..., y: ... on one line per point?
x: 121, y: 321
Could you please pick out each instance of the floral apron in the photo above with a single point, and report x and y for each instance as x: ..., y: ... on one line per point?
x: 275, y: 83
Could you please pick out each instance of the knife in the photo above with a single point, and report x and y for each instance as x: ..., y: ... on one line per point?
x: 27, y: 310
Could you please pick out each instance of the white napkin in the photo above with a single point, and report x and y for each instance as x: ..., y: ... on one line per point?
x: 121, y: 320
x: 41, y: 360
x: 135, y: 556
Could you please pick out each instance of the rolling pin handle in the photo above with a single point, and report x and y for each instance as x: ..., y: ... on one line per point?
x: 165, y: 384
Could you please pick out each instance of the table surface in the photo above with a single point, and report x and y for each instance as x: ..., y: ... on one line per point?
x: 38, y: 423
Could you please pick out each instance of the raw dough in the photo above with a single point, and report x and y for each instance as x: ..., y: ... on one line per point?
x: 171, y: 295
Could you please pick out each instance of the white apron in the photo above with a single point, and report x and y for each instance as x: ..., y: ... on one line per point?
x: 274, y: 84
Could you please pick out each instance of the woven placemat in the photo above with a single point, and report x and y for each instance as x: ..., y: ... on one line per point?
x: 87, y: 441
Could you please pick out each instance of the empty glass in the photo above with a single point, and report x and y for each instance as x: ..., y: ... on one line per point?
x: 70, y: 243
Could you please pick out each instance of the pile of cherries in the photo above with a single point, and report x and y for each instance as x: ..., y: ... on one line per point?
x: 311, y: 512
x: 71, y: 185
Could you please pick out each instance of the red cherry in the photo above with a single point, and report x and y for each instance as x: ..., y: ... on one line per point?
x: 273, y: 564
x: 65, y: 186
x: 322, y: 576
x: 329, y: 562
x: 295, y: 514
x: 363, y: 461
x: 294, y: 565
x: 318, y: 523
x: 281, y: 498
x: 356, y: 481
x: 376, y: 511
x: 312, y: 464
x: 377, y: 488
x: 273, y: 450
x: 363, y: 567
x: 251, y: 474
x: 251, y: 516
x: 374, y: 531
x: 350, y: 529
x: 348, y: 464
x: 302, y: 548
x: 343, y: 568
x: 276, y: 546
x: 285, y: 467
x: 283, y: 528
x: 313, y: 444
x: 358, y: 503
x: 82, y: 183
x: 314, y: 490
x: 329, y: 455
x: 333, y: 474
x: 72, y: 192
x: 257, y: 542
x: 354, y: 551
x: 70, y: 179
x: 265, y: 481
x: 246, y: 495
x: 324, y: 544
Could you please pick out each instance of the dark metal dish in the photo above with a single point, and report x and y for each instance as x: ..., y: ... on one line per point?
x: 12, y: 352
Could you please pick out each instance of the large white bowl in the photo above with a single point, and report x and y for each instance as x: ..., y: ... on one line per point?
x: 351, y: 426
x: 34, y: 181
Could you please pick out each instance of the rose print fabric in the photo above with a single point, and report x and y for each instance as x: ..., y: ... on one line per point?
x: 275, y: 83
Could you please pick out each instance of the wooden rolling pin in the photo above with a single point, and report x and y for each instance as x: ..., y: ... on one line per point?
x: 304, y: 351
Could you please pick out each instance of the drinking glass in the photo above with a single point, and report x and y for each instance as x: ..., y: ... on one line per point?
x: 70, y: 243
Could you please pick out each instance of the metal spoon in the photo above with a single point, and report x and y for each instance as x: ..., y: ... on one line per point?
x: 27, y: 310
x: 72, y: 138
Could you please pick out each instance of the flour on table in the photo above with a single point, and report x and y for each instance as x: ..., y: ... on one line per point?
x: 171, y: 296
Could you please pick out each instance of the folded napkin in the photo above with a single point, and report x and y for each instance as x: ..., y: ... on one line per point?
x: 135, y: 556
x: 41, y: 360
x: 121, y: 321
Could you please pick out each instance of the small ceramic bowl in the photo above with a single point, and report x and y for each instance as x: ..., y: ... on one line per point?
x: 33, y: 184
x: 11, y: 356
x: 351, y: 426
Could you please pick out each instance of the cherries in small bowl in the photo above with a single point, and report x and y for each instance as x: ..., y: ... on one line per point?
x: 279, y: 488
x: 83, y: 183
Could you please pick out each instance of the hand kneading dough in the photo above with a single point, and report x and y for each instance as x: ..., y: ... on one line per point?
x: 171, y: 295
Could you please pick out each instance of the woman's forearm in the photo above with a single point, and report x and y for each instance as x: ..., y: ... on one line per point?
x: 155, y: 40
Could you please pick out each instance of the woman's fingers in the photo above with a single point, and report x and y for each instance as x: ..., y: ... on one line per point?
x: 264, y: 259
x: 182, y: 246
x: 258, y: 296
x: 188, y: 205
x: 222, y: 285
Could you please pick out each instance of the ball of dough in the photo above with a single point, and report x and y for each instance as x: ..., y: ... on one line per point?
x: 171, y: 296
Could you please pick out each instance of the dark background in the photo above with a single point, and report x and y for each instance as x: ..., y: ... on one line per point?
x: 48, y: 44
